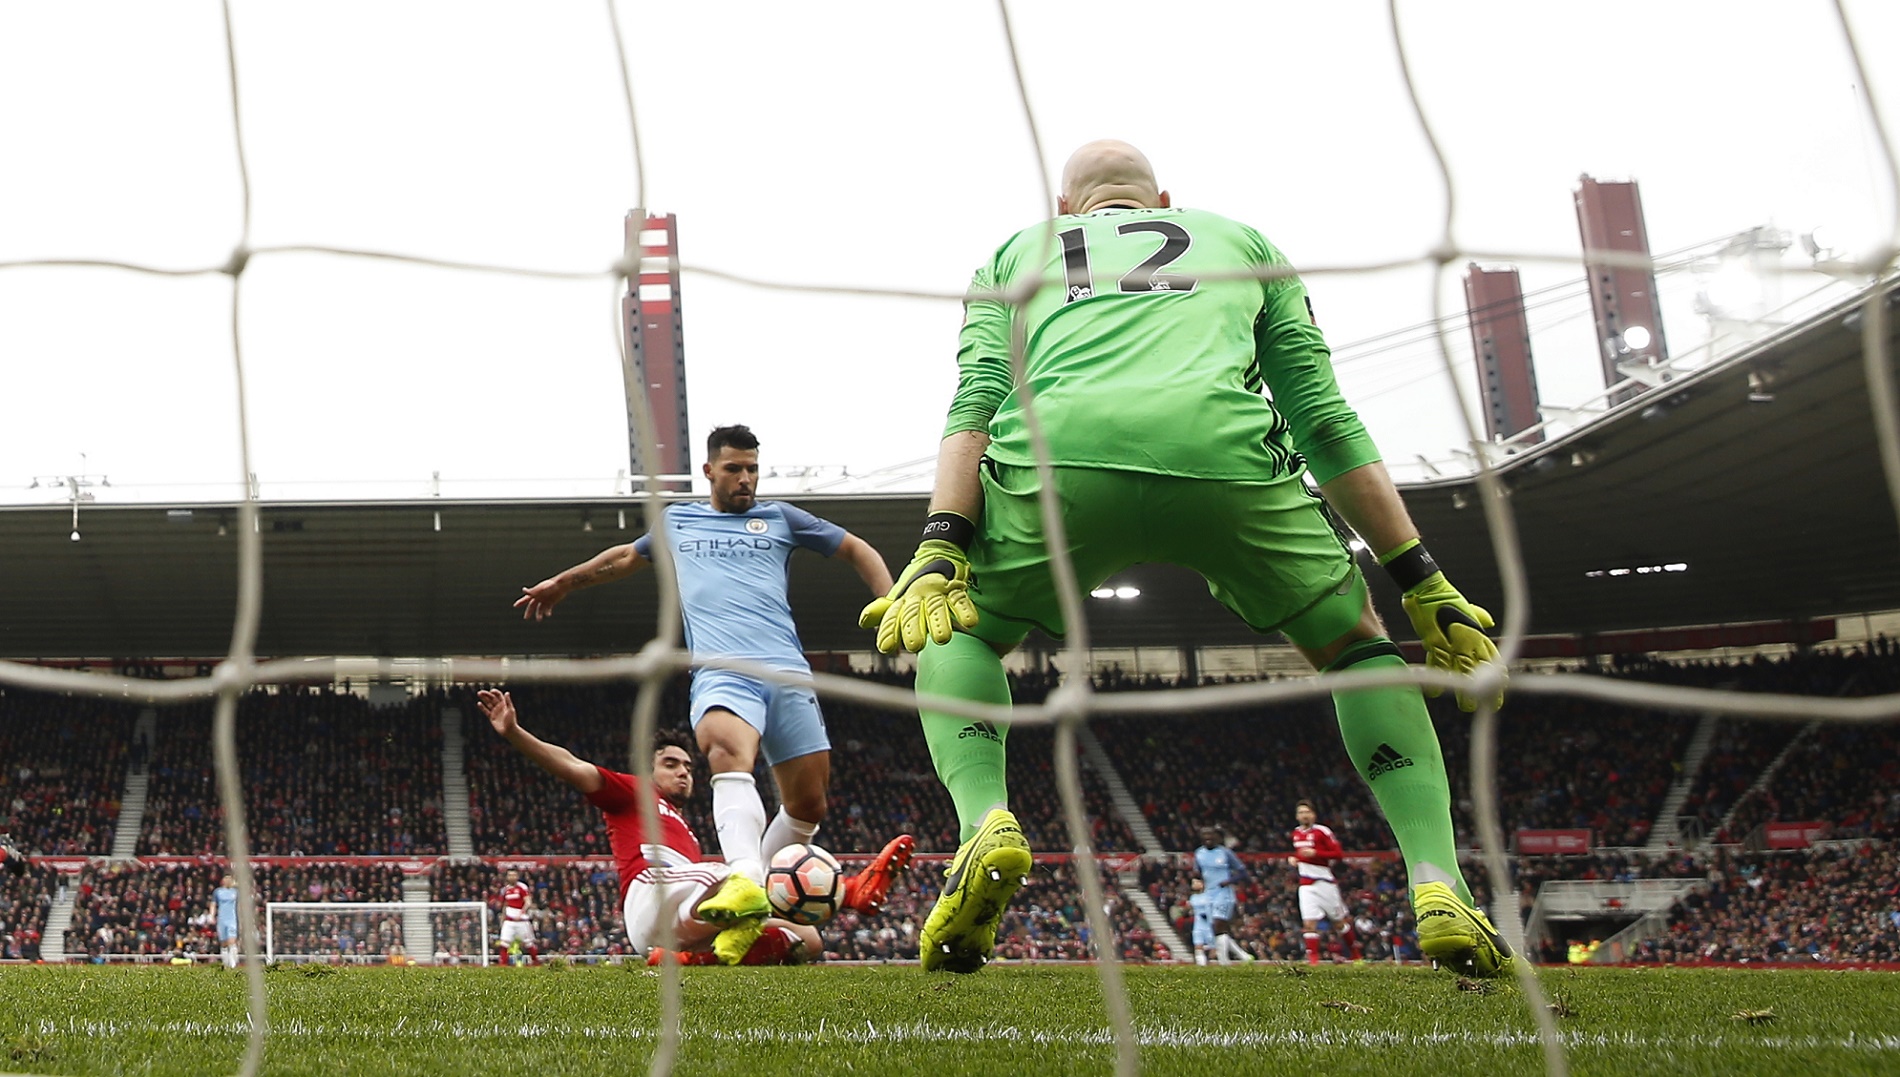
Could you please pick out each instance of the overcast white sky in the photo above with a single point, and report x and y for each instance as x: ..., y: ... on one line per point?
x: 871, y: 144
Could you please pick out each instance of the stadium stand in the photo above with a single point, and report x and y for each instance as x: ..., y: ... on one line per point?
x: 24, y: 900
x: 62, y: 770
x: 325, y: 774
x: 152, y: 909
x: 1835, y: 904
x: 330, y: 775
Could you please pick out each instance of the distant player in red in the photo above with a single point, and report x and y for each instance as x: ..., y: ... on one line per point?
x: 517, y: 930
x: 1315, y: 851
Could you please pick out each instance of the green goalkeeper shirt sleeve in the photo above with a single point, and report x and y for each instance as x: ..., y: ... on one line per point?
x: 983, y: 378
x: 1298, y: 367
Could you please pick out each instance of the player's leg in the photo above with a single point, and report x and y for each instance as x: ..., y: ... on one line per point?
x: 1310, y: 912
x: 1335, y: 906
x: 1390, y: 738
x: 1284, y: 568
x: 798, y: 750
x: 1221, y: 927
x: 729, y: 718
x: 1225, y: 907
x: 1013, y: 592
x: 680, y: 892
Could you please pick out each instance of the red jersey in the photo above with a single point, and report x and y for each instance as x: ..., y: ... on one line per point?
x: 514, y: 901
x: 619, y: 801
x: 1316, y: 849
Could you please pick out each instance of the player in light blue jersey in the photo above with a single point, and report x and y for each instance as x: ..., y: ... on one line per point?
x: 1221, y: 871
x: 732, y: 556
x: 224, y: 899
x: 1201, y: 903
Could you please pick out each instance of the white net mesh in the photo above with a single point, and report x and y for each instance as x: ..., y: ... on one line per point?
x: 1068, y: 708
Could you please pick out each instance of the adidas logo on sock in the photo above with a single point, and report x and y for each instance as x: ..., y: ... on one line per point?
x: 980, y: 729
x: 1385, y: 760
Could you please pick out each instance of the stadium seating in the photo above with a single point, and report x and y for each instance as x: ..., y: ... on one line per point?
x: 154, y: 909
x: 1830, y: 904
x: 325, y: 774
x: 24, y: 899
x: 62, y: 770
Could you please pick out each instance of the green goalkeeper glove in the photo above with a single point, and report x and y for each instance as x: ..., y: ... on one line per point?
x: 932, y: 596
x: 1450, y: 626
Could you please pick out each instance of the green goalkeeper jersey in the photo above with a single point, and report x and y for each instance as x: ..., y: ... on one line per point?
x: 1138, y: 361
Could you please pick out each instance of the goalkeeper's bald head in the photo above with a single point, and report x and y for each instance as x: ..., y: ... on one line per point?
x: 1108, y: 172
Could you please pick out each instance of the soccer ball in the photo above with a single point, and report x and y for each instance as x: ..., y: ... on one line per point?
x: 804, y: 884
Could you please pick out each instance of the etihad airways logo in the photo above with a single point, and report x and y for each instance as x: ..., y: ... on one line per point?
x: 723, y: 546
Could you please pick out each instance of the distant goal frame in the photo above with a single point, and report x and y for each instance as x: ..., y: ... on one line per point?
x: 271, y: 909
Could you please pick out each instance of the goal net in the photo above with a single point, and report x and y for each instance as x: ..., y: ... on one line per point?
x: 377, y: 932
x: 1430, y: 233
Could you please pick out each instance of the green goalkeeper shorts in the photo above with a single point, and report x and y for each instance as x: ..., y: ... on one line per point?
x: 1267, y: 550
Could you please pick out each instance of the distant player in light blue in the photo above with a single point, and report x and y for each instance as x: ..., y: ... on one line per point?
x: 1202, y: 904
x: 225, y: 899
x: 732, y: 557
x: 1221, y: 870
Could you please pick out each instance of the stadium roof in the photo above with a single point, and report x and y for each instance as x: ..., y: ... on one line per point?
x: 1778, y: 509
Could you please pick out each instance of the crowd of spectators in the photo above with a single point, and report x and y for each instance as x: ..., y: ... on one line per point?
x: 156, y: 909
x: 24, y: 900
x: 1844, y: 776
x: 325, y: 773
x: 62, y: 770
x: 1835, y: 904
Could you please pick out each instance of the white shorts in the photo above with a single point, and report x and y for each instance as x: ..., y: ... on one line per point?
x: 1321, y: 901
x: 512, y: 930
x: 651, y: 902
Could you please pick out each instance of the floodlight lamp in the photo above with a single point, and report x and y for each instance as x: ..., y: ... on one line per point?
x: 1636, y: 337
x: 1127, y: 592
x: 1102, y: 592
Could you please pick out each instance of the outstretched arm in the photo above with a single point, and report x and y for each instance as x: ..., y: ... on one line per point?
x: 538, y: 602
x: 868, y: 563
x: 499, y: 707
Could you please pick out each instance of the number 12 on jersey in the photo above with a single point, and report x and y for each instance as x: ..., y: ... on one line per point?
x: 1146, y: 277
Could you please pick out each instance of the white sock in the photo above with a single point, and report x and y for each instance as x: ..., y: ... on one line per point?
x: 1220, y: 948
x: 1233, y: 947
x: 739, y: 816
x: 1200, y: 956
x: 784, y: 831
x: 230, y: 955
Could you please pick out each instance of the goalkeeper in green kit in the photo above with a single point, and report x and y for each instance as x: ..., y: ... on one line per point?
x: 1148, y: 361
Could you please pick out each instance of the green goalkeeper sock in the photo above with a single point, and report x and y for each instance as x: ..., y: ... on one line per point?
x: 1389, y: 736
x: 969, y: 754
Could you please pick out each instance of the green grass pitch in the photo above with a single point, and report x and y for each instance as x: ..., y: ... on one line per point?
x: 890, y: 1021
